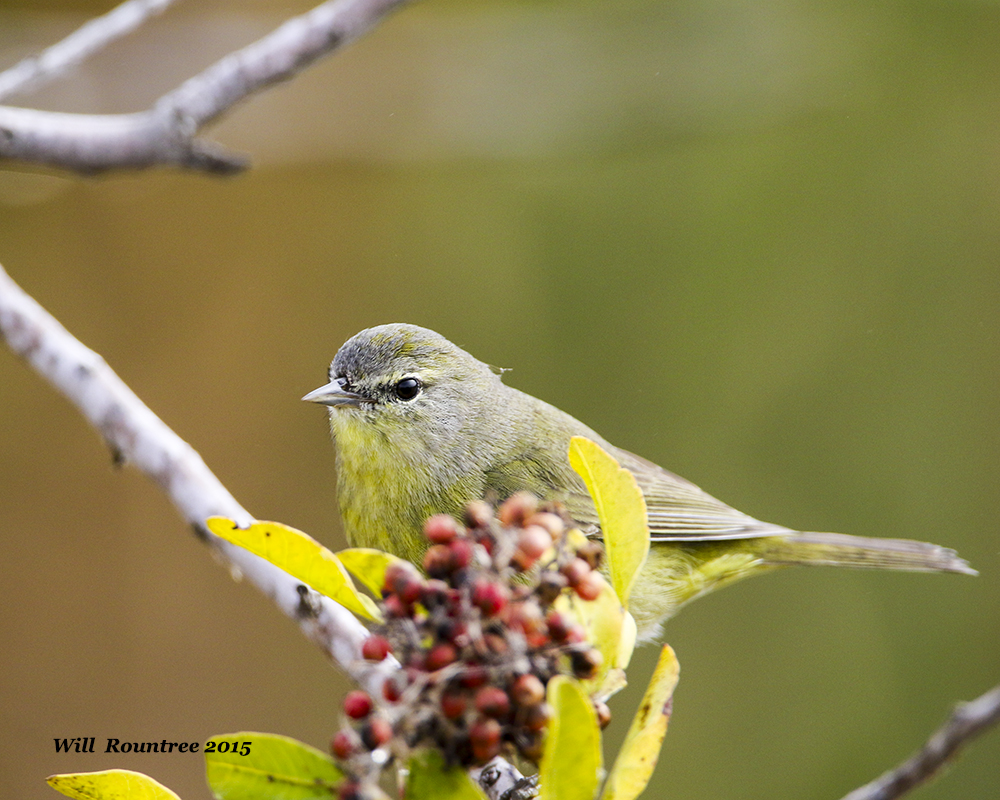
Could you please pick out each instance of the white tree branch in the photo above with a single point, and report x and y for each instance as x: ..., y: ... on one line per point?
x: 137, y: 436
x: 166, y: 133
x: 33, y: 71
x: 967, y: 721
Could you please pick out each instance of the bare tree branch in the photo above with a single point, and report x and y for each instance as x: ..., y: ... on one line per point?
x: 137, y: 436
x: 99, y: 32
x: 165, y: 134
x: 966, y: 722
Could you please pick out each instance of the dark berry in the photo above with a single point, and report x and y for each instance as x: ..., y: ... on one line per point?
x: 575, y: 571
x: 603, y: 713
x: 376, y: 732
x: 437, y: 561
x: 537, y: 717
x: 550, y: 584
x: 478, y: 514
x: 493, y: 702
x: 585, y: 663
x: 343, y: 744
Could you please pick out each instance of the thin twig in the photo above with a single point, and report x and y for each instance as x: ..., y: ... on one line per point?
x: 137, y: 436
x: 165, y: 134
x: 35, y: 70
x: 967, y: 721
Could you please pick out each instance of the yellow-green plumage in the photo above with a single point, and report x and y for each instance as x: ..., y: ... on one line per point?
x: 463, y: 435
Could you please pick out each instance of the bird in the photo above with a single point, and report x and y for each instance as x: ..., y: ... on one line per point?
x: 421, y: 427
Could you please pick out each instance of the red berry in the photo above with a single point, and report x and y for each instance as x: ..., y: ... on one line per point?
x: 376, y: 732
x: 472, y: 677
x: 461, y: 554
x: 493, y: 702
x: 537, y: 717
x: 393, y: 686
x: 440, y: 529
x: 441, y: 655
x: 349, y: 790
x: 399, y: 573
x: 590, y: 586
x: 517, y: 508
x: 394, y: 607
x: 558, y: 626
x: 527, y: 690
x: 484, y: 736
x: 478, y: 514
x: 490, y: 597
x: 453, y: 703
x: 375, y: 648
x: 575, y: 571
x: 437, y: 561
x: 357, y: 704
x: 343, y: 744
x: 552, y: 523
x: 533, y: 541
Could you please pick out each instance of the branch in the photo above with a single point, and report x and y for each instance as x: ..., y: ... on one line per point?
x: 966, y: 722
x: 165, y: 134
x: 137, y: 436
x: 35, y: 70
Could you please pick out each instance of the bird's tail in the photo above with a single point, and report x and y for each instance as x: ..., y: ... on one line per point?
x: 841, y: 550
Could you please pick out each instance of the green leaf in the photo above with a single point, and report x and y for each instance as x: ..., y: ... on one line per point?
x: 621, y: 509
x: 112, y: 784
x: 431, y: 780
x: 641, y: 748
x: 272, y: 768
x: 300, y: 556
x: 571, y: 759
x: 368, y: 566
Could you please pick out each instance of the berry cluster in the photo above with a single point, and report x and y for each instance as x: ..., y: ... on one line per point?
x: 478, y: 639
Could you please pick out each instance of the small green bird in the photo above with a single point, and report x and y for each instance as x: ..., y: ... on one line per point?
x: 422, y: 427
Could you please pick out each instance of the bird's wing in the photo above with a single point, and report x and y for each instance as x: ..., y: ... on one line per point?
x: 678, y: 511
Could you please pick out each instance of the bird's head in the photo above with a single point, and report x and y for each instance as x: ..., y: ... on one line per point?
x: 404, y: 386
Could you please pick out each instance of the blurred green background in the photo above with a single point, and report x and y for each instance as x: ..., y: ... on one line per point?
x: 756, y: 242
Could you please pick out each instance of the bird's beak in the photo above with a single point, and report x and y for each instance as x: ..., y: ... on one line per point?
x: 334, y: 395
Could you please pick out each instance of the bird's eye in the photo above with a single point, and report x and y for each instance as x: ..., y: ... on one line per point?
x: 407, y: 388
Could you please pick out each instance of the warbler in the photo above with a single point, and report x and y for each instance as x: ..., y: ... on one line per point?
x: 422, y: 427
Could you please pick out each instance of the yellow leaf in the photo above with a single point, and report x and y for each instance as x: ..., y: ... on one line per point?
x: 265, y: 765
x: 571, y: 759
x: 603, y: 621
x: 368, y: 566
x: 300, y: 556
x: 621, y: 509
x: 637, y: 757
x: 112, y: 784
